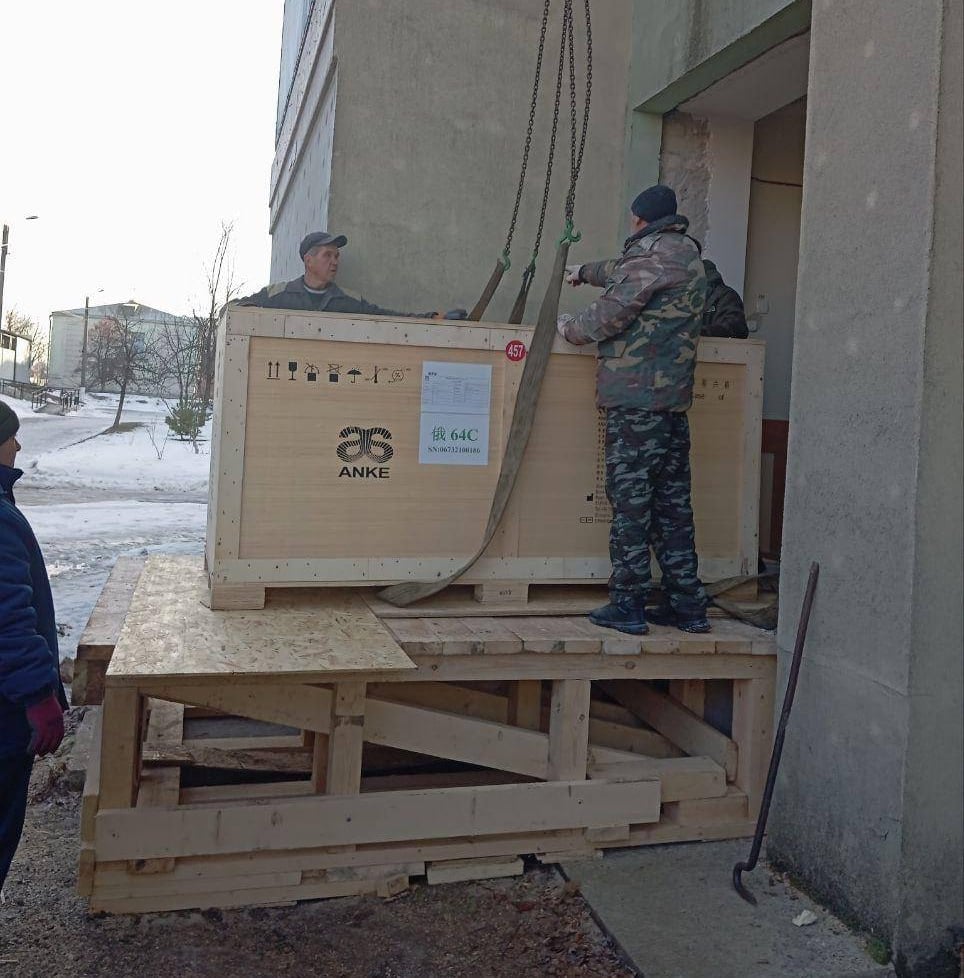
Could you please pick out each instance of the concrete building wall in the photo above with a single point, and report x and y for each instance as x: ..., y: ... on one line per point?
x: 869, y: 802
x: 684, y: 166
x: 66, y: 345
x: 773, y: 246
x: 430, y: 90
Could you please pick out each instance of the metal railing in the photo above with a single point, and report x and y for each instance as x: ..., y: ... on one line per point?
x: 18, y: 389
x: 68, y: 398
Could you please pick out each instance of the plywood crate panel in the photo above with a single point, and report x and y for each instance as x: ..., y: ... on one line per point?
x: 331, y: 464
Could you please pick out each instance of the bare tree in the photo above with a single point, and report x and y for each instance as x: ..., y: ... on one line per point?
x: 221, y: 289
x: 182, y: 344
x: 37, y: 336
x: 122, y: 350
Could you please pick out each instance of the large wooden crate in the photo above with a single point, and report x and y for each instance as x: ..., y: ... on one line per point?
x: 352, y: 450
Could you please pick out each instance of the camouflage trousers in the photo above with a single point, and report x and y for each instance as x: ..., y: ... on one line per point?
x: 648, y: 485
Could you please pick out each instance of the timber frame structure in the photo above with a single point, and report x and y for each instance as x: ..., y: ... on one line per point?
x: 412, y: 746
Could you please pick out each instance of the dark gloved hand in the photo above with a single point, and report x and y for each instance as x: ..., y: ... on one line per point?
x: 456, y: 314
x: 46, y: 720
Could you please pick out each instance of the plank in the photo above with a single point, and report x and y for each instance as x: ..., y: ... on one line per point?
x: 158, y: 758
x: 161, y: 787
x: 680, y: 726
x: 458, y: 601
x: 97, y: 641
x: 169, y: 633
x: 90, y: 798
x: 568, y: 730
x: 484, y: 668
x: 691, y: 693
x: 373, y: 858
x: 680, y: 778
x: 464, y: 870
x: 335, y: 820
x: 299, y: 706
x: 525, y: 704
x: 726, y: 810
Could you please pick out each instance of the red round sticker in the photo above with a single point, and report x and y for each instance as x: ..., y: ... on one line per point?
x: 516, y: 350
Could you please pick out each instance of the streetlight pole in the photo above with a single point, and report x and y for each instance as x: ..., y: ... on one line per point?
x: 83, y: 349
x: 4, y: 248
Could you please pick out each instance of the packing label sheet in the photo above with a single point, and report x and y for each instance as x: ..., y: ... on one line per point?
x: 455, y: 408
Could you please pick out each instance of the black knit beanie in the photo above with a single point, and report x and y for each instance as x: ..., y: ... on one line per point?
x: 9, y: 422
x: 654, y: 203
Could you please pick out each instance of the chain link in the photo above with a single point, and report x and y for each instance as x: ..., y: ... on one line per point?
x: 528, y: 141
x: 576, y: 157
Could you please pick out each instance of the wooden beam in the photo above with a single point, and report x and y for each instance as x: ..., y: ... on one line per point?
x: 569, y: 730
x: 691, y: 693
x: 336, y: 820
x: 295, y: 705
x: 676, y: 723
x: 344, y: 755
x: 525, y: 704
x: 753, y: 709
x: 121, y: 732
x: 680, y: 778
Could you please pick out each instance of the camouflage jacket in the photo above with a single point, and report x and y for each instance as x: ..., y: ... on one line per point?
x: 294, y: 295
x: 647, y: 322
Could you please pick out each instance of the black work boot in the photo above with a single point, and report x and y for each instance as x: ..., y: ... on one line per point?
x: 625, y: 613
x: 663, y: 614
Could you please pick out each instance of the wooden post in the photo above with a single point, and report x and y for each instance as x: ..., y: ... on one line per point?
x: 691, y: 693
x: 343, y: 774
x: 121, y: 747
x: 753, y: 704
x: 569, y: 730
x: 525, y: 703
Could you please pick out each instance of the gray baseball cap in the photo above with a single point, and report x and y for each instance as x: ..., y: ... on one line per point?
x: 317, y: 238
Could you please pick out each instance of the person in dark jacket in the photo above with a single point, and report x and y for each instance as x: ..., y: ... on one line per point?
x: 316, y: 291
x: 32, y: 700
x: 723, y: 314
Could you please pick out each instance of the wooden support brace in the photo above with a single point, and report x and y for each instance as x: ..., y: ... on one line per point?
x: 691, y: 693
x: 675, y: 722
x: 525, y: 703
x: 121, y: 733
x: 569, y: 730
x: 753, y: 708
x: 236, y: 597
x: 344, y: 754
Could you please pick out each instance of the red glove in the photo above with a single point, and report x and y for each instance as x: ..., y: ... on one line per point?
x: 46, y: 720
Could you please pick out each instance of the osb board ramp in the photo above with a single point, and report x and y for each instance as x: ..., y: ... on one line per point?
x: 332, y: 820
x: 367, y: 499
x: 168, y: 632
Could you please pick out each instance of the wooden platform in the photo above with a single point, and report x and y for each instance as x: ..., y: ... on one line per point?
x: 404, y: 746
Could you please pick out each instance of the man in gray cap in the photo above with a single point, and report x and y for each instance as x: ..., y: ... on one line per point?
x: 32, y: 700
x: 316, y: 291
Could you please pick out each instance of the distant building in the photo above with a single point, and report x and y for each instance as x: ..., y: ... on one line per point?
x: 14, y: 357
x: 67, y: 341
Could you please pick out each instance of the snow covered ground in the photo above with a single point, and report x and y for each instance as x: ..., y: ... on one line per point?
x: 92, y: 497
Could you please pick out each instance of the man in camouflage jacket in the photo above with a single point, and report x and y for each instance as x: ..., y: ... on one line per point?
x: 316, y: 291
x: 646, y: 325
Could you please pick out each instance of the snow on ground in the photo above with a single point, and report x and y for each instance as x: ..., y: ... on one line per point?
x: 75, y: 450
x: 92, y: 496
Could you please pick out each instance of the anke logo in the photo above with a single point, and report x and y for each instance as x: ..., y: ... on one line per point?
x: 360, y: 443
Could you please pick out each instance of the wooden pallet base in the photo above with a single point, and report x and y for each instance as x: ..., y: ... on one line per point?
x: 221, y: 775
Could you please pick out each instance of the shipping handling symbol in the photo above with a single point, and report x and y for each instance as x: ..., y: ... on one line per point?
x: 354, y: 373
x: 311, y: 373
x: 292, y: 368
x: 274, y: 368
